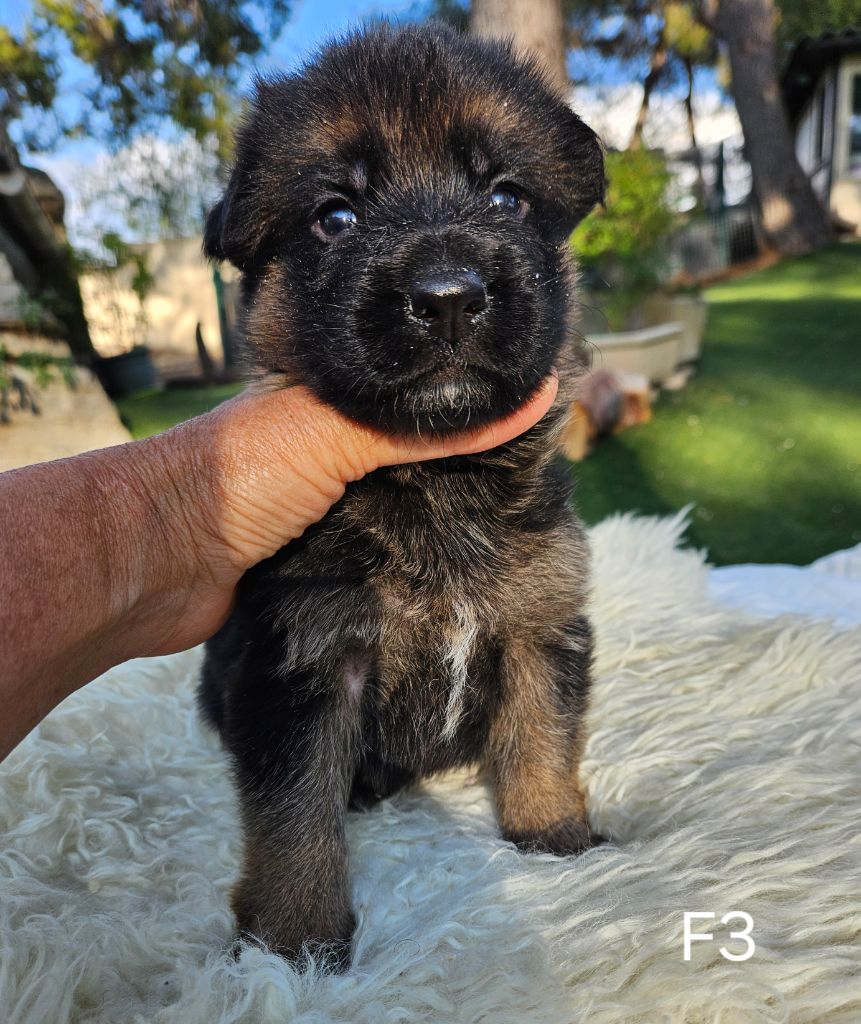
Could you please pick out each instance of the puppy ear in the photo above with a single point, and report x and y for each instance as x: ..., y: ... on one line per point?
x: 229, y: 233
x: 239, y: 223
x: 585, y: 155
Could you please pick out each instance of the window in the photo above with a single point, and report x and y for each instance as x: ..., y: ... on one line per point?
x: 855, y: 129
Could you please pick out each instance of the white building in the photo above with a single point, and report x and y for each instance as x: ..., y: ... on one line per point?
x: 822, y: 90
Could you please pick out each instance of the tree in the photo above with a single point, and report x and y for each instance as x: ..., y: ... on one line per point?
x: 793, y: 219
x: 680, y: 43
x: 657, y: 67
x: 663, y: 35
x: 142, y: 63
x: 800, y: 18
x: 536, y: 26
x: 145, y: 60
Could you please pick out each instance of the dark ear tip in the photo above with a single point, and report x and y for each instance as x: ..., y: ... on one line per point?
x: 213, y: 232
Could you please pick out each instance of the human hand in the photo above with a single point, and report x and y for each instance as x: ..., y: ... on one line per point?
x: 252, y: 475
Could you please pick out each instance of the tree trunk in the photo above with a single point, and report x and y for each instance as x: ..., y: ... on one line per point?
x: 656, y: 69
x: 700, y: 185
x: 36, y: 238
x: 793, y: 219
x: 689, y: 102
x: 536, y: 27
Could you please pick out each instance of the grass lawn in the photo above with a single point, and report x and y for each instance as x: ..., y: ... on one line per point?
x: 765, y: 442
x: 150, y: 412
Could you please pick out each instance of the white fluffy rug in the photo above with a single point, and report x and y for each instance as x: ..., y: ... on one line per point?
x: 724, y: 762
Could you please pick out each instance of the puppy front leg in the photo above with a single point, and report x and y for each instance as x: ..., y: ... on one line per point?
x: 293, y: 893
x: 536, y: 741
x: 294, y: 770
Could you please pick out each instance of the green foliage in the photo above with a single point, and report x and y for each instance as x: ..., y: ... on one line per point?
x: 58, y: 302
x: 107, y: 283
x: 684, y: 35
x: 800, y: 18
x: 631, y: 30
x: 624, y: 242
x: 123, y: 255
x: 44, y: 367
x: 149, y: 59
x: 142, y: 279
x: 28, y: 75
x: 33, y: 311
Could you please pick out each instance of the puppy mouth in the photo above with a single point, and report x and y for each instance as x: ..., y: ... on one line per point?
x: 452, y: 380
x: 451, y: 371
x: 454, y: 396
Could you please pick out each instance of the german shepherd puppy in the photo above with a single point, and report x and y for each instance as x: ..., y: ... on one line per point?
x: 400, y: 211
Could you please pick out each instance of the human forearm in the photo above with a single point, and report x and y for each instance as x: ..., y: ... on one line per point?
x: 75, y: 578
x: 133, y: 551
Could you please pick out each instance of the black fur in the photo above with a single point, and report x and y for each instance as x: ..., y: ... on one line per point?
x: 435, y: 616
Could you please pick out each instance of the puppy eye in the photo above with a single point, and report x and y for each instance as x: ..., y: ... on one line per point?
x: 508, y: 201
x: 335, y: 220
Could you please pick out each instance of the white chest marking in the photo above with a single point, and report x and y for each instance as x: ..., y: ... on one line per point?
x: 456, y: 659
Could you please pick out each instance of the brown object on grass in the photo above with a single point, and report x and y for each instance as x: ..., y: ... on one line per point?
x: 607, y: 403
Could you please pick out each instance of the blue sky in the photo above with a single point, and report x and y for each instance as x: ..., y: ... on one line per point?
x: 313, y: 21
x: 310, y: 23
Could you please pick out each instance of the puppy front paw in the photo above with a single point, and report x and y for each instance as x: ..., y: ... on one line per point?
x: 564, y: 838
x: 324, y: 932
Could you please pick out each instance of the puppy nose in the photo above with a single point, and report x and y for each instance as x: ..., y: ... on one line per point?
x: 446, y: 302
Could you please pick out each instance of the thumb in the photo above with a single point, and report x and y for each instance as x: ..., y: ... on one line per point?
x: 389, y: 450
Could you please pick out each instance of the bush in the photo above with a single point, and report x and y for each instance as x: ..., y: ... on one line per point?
x: 623, y: 244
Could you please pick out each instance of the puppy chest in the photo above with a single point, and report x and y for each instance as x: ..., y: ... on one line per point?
x: 437, y: 680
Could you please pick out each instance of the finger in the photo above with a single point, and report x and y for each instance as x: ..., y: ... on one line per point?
x: 391, y: 451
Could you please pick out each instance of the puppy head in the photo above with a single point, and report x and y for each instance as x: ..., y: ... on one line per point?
x: 400, y: 210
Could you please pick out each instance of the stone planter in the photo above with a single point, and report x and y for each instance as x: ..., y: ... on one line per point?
x: 652, y: 352
x: 72, y: 419
x: 687, y: 310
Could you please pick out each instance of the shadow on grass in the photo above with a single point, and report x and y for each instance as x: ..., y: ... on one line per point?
x: 616, y: 481
x: 743, y: 511
x: 814, y: 342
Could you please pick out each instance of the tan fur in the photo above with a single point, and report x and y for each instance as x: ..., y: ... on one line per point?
x: 533, y: 755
